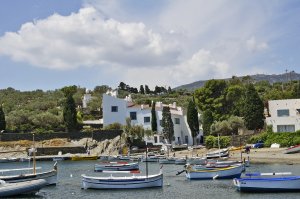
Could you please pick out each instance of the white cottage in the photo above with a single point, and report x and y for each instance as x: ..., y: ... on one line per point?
x: 284, y: 115
x: 117, y: 110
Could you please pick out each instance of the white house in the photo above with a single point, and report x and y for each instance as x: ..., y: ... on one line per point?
x: 117, y: 110
x: 86, y: 98
x: 284, y: 115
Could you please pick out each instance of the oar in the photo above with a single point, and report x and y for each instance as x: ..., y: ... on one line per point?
x: 180, y: 172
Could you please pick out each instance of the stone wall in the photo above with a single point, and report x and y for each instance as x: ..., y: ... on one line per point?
x: 97, y: 135
x: 56, y: 150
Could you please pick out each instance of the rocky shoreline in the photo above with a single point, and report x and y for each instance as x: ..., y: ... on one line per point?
x: 111, y: 147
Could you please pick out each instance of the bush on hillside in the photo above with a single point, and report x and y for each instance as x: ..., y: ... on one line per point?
x: 285, y: 139
x: 212, y: 141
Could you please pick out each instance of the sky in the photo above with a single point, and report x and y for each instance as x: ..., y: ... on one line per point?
x: 49, y: 44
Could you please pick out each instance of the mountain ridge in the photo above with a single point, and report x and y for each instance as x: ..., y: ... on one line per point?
x: 284, y: 77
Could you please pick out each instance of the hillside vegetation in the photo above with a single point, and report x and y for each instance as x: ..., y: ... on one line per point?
x: 41, y: 111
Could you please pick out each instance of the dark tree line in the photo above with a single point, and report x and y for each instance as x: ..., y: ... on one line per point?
x: 144, y: 90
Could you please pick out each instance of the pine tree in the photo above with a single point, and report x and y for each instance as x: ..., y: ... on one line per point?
x: 147, y: 90
x: 207, y: 121
x: 142, y: 91
x: 153, y: 118
x: 2, y: 119
x: 69, y: 110
x: 167, y: 123
x: 253, y: 109
x: 192, y: 119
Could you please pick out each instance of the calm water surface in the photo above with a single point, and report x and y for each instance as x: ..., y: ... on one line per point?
x: 69, y: 186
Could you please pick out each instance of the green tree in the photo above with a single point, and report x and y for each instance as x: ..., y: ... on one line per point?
x: 147, y: 90
x: 253, y: 109
x: 167, y: 123
x: 2, y: 119
x: 142, y: 90
x: 212, y: 97
x: 101, y: 89
x: 296, y: 89
x: 207, y: 120
x: 122, y: 86
x: 192, y: 119
x: 153, y: 118
x: 69, y: 110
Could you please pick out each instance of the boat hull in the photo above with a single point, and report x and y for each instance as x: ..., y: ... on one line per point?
x: 215, y: 173
x: 295, y: 149
x: 136, y: 182
x: 116, y: 167
x: 278, y: 184
x: 28, y: 187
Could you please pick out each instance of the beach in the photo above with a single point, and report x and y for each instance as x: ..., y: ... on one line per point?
x: 261, y: 155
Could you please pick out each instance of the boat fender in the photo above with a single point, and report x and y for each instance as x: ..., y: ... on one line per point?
x: 215, y: 177
x: 2, y: 182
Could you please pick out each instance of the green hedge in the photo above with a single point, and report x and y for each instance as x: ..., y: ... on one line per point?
x: 212, y: 141
x: 285, y: 139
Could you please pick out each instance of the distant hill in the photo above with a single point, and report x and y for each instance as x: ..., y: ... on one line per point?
x: 259, y: 77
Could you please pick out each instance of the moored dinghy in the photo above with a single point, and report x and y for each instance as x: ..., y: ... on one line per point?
x: 268, y: 182
x: 27, y: 187
x: 124, y: 182
x: 49, y: 176
x: 116, y: 166
x: 202, y: 173
x: 293, y: 149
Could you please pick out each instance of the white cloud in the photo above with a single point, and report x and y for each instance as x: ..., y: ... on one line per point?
x: 86, y: 39
x: 202, y: 65
x: 254, y: 46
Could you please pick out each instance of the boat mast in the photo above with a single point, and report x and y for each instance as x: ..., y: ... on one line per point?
x: 34, y: 161
x: 146, y: 162
x: 219, y: 145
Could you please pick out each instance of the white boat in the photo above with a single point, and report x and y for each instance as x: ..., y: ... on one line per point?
x: 116, y: 166
x: 180, y: 161
x: 293, y: 149
x: 196, y: 160
x: 218, y: 154
x: 58, y: 158
x: 8, y: 160
x: 268, y: 182
x: 126, y: 158
x: 167, y: 160
x: 124, y: 182
x: 49, y: 176
x: 27, y: 187
x: 150, y: 158
x: 199, y: 173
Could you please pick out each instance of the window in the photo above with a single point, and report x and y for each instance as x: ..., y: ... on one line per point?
x: 133, y: 115
x: 285, y: 128
x: 114, y: 109
x: 177, y: 121
x: 283, y: 113
x: 146, y: 119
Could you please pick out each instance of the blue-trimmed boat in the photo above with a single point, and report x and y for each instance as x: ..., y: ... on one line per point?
x: 268, y: 182
x: 224, y: 172
x: 116, y: 166
x: 124, y: 182
x: 20, y: 188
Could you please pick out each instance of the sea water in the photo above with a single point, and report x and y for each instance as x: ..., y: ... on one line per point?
x: 69, y: 185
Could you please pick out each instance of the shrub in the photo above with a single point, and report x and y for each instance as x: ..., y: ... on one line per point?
x: 285, y: 139
x: 212, y: 142
x: 209, y: 141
